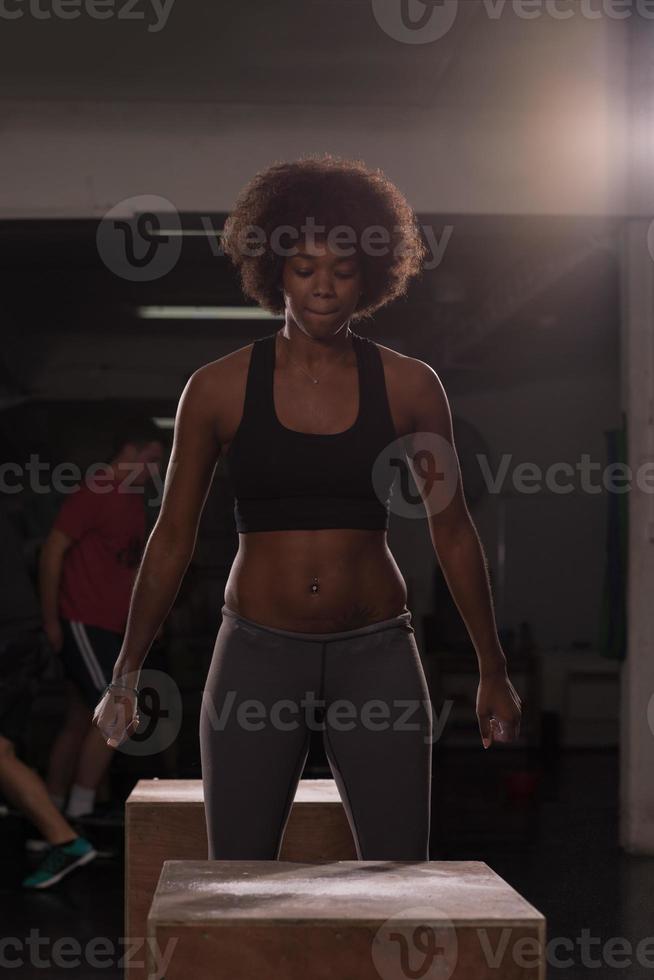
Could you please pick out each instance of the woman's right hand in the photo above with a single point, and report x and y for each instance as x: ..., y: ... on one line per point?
x: 116, y: 715
x: 53, y: 631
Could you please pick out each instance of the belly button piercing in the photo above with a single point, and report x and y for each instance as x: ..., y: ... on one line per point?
x: 314, y: 585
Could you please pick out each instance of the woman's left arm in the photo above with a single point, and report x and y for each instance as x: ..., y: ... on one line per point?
x: 437, y: 474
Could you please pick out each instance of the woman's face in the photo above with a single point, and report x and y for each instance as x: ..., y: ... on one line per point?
x: 321, y: 287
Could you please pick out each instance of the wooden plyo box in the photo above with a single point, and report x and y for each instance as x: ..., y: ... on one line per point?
x: 351, y: 920
x: 164, y: 820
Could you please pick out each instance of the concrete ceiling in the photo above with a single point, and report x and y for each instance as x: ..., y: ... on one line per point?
x: 310, y: 52
x: 286, y: 51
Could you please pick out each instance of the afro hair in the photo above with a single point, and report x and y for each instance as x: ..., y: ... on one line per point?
x: 334, y: 193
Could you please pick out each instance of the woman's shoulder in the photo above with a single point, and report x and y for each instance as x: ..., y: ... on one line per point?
x: 409, y: 382
x: 397, y: 366
x: 227, y: 370
x: 406, y: 367
x: 223, y: 382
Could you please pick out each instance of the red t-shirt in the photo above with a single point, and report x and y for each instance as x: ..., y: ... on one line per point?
x: 99, y: 569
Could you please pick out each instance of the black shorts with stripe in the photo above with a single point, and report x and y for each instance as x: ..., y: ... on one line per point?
x: 88, y: 656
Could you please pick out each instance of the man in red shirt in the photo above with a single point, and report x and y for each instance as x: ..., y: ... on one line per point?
x: 87, y: 569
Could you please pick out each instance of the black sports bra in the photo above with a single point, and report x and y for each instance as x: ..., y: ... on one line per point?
x: 284, y: 479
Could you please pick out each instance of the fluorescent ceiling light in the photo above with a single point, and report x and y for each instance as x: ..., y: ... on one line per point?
x: 163, y: 422
x: 206, y: 313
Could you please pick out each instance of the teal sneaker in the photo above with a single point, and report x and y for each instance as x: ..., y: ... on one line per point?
x: 59, y: 861
x: 37, y: 845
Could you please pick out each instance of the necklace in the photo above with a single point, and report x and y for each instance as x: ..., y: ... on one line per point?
x: 315, y: 380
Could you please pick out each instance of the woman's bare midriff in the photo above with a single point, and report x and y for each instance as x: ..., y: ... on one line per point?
x: 358, y: 580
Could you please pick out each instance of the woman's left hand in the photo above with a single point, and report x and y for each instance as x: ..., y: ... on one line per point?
x: 499, y: 709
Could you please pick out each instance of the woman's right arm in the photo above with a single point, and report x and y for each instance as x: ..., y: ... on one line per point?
x: 171, y: 544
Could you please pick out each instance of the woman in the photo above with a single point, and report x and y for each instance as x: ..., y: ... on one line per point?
x: 315, y: 613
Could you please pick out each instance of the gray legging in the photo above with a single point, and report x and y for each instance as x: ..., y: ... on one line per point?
x: 261, y: 699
